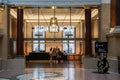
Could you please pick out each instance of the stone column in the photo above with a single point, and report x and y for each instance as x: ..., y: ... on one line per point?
x: 104, y: 18
x: 113, y: 37
x: 20, y: 50
x: 88, y: 36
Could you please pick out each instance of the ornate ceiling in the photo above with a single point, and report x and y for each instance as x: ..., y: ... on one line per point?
x: 62, y: 14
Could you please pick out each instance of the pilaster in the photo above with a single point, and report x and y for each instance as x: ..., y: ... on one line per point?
x: 88, y: 36
x: 20, y: 50
x: 104, y: 15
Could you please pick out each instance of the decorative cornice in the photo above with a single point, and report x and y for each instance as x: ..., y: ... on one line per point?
x: 53, y: 2
x: 57, y: 39
x: 115, y: 32
x: 113, y: 35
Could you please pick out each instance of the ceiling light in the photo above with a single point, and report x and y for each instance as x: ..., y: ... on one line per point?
x: 53, y: 27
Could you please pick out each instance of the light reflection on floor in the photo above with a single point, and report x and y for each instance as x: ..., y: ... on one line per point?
x: 57, y: 74
x: 42, y: 74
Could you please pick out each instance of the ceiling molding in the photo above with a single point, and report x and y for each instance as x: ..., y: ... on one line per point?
x: 52, y: 2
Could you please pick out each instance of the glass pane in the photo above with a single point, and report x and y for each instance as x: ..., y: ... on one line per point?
x: 42, y: 47
x: 35, y: 47
x: 72, y: 48
x: 68, y: 32
x: 39, y: 32
x: 65, y: 47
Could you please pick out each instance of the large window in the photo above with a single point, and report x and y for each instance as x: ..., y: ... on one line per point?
x: 69, y: 45
x: 68, y: 34
x: 38, y: 32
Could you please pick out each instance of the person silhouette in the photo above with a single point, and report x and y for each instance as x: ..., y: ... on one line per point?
x: 105, y: 64
x: 99, y: 64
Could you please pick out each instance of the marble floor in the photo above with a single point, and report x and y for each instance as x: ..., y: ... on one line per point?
x: 62, y: 64
x: 71, y: 71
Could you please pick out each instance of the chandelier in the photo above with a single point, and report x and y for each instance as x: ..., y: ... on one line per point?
x: 53, y: 27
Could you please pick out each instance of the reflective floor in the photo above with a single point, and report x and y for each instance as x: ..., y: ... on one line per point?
x: 61, y: 64
x: 71, y: 71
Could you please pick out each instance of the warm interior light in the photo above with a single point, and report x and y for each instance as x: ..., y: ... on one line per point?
x: 1, y: 9
x: 53, y: 7
x: 53, y: 21
x: 53, y: 27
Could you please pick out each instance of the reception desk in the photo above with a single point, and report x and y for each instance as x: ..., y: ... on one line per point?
x: 38, y: 56
x: 74, y: 57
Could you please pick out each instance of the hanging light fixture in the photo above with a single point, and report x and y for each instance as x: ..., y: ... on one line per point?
x: 53, y: 27
x: 69, y: 34
x: 38, y: 27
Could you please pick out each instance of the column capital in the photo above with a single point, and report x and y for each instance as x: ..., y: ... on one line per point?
x: 90, y: 6
x: 87, y: 6
x: 20, y: 7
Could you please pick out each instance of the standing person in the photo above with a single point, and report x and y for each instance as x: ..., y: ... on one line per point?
x: 54, y: 55
x: 64, y: 56
x: 59, y: 54
x: 64, y: 53
x: 51, y: 53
